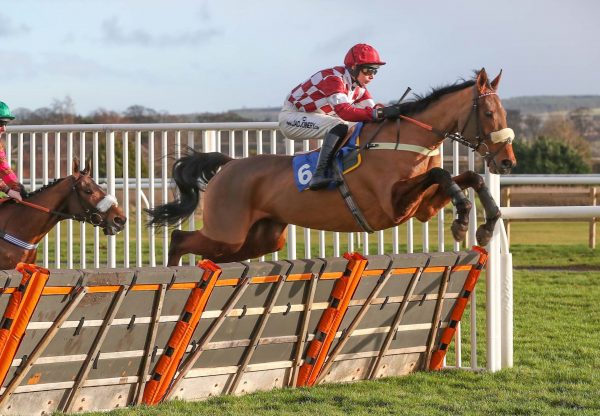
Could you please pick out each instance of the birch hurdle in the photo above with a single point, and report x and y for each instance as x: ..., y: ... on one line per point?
x: 99, y: 339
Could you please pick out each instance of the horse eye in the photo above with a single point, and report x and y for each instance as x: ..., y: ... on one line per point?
x: 88, y: 191
x: 489, y: 113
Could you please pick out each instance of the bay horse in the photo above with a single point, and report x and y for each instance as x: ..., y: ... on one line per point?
x: 24, y: 224
x: 249, y: 202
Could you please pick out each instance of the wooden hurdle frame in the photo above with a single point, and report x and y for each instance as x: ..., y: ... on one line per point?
x: 97, y: 339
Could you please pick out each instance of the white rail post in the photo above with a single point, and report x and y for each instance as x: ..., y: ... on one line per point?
x: 70, y: 221
x: 82, y: 243
x: 493, y: 287
x: 291, y: 241
x: 506, y: 270
x: 111, y: 246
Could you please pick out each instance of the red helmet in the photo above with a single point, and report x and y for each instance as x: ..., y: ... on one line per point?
x: 362, y: 54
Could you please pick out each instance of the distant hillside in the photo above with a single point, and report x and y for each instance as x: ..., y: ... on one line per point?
x: 535, y: 104
x: 258, y: 114
x: 538, y: 104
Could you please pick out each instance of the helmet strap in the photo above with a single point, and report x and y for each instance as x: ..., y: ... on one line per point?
x: 354, y: 74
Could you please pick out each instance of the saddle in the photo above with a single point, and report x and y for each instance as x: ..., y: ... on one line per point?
x: 347, y: 158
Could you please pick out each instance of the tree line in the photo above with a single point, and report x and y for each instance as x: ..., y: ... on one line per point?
x: 556, y: 143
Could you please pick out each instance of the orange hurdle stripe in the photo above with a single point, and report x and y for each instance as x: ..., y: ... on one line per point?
x: 330, y: 320
x: 167, y: 365
x: 437, y: 358
x: 18, y: 313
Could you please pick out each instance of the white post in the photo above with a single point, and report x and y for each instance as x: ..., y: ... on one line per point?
x: 45, y: 162
x: 291, y: 242
x: 165, y: 190
x: 507, y: 300
x: 70, y: 221
x: 111, y: 246
x: 212, y: 142
x: 151, y: 191
x: 493, y: 288
x: 82, y: 162
x: 126, y: 239
x: 139, y: 261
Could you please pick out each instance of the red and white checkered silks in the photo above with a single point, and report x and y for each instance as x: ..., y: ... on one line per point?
x: 8, y: 179
x: 331, y: 91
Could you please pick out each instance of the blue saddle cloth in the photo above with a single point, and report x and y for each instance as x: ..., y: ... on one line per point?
x: 347, y: 158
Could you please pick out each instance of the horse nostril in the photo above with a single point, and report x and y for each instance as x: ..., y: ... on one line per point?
x: 120, y: 221
x: 507, y: 164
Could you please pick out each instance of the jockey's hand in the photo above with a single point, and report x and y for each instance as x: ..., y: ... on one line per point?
x: 14, y: 194
x: 393, y: 111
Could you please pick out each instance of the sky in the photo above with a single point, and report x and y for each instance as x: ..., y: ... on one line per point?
x: 184, y: 56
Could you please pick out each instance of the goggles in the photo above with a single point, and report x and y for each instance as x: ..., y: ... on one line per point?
x: 368, y: 70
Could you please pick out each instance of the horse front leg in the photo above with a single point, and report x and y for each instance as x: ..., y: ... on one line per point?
x: 470, y: 179
x: 453, y: 191
x: 423, y: 201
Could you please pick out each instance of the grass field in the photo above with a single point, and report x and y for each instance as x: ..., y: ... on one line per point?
x: 556, y: 355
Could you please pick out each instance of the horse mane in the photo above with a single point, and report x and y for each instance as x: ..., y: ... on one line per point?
x: 43, y: 188
x: 420, y: 103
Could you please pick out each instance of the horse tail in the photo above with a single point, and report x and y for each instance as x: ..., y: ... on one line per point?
x: 191, y: 174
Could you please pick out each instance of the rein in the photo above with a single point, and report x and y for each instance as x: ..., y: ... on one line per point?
x: 44, y: 209
x: 89, y: 216
x: 504, y: 136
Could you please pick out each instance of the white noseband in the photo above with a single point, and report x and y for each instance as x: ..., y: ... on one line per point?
x: 107, y: 202
x: 504, y: 135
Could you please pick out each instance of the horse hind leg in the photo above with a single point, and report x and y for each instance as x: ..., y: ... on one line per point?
x: 265, y: 236
x: 195, y: 242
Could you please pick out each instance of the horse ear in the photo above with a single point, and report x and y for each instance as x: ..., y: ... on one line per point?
x: 482, y: 81
x: 88, y: 166
x: 496, y: 81
x: 75, y: 165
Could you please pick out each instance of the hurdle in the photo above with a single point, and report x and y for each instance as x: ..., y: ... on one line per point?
x: 100, y: 339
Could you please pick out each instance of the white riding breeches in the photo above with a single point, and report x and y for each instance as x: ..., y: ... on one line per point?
x: 298, y: 125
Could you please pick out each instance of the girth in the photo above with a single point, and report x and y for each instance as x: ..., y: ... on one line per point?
x: 16, y: 241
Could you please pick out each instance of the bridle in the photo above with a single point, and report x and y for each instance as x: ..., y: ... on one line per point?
x: 90, y: 215
x: 505, y: 136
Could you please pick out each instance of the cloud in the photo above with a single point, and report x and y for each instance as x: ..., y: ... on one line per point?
x: 114, y: 34
x: 58, y: 67
x: 8, y: 28
x: 18, y: 65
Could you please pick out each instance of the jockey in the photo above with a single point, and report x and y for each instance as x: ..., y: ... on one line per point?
x: 330, y: 102
x: 8, y: 180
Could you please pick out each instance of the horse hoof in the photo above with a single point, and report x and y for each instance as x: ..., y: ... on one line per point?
x: 483, y: 236
x: 459, y: 230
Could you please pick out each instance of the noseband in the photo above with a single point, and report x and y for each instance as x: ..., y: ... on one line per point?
x: 90, y: 215
x: 505, y: 136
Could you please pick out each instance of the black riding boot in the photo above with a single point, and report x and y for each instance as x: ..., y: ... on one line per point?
x: 322, y: 176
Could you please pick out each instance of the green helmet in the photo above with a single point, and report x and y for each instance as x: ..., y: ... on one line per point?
x: 5, y: 112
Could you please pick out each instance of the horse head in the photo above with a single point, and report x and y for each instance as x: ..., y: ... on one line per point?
x: 485, y: 126
x: 89, y: 203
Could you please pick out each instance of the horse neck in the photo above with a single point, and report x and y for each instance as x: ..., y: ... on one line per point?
x: 446, y: 113
x: 39, y: 223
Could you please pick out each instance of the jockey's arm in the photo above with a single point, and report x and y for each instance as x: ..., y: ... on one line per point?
x: 361, y: 110
x: 8, y: 179
x: 349, y: 112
